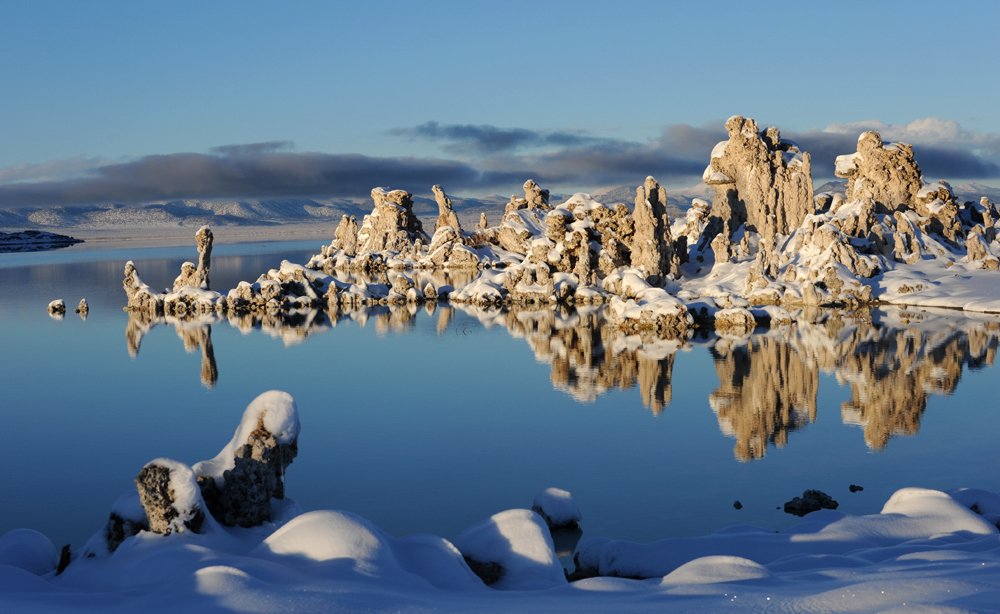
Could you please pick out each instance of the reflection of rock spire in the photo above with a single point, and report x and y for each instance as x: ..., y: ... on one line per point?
x: 892, y: 376
x: 139, y: 323
x: 590, y: 356
x: 209, y: 371
x: 766, y: 390
x: 201, y: 337
x: 445, y: 318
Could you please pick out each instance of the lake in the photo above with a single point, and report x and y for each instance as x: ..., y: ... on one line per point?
x: 430, y: 419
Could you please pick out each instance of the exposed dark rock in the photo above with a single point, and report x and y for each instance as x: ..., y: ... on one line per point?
x: 738, y: 505
x: 119, y: 529
x: 64, y: 558
x: 810, y: 501
x: 490, y: 573
x: 244, y: 499
x: 158, y: 501
x: 855, y: 488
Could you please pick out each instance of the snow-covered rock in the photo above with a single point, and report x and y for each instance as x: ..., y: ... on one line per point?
x: 512, y: 550
x: 557, y: 508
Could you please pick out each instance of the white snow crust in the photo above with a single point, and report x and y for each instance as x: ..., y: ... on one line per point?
x: 926, y: 551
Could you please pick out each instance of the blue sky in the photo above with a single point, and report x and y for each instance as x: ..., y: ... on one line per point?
x: 558, y: 85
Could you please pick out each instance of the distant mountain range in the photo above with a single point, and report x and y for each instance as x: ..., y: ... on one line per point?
x: 328, y: 211
x: 963, y: 192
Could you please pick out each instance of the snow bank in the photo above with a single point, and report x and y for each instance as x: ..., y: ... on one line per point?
x: 28, y: 550
x: 926, y: 551
x: 911, y: 514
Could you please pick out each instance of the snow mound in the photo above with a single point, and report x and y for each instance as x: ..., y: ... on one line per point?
x: 519, y: 542
x: 714, y: 569
x: 28, y: 550
x: 331, y: 544
x: 557, y: 508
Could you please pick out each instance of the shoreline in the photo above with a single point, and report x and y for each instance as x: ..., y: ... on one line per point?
x: 181, y: 235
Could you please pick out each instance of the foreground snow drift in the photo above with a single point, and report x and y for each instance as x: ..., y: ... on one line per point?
x: 926, y: 548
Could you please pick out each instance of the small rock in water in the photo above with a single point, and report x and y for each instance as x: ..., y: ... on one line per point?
x: 738, y: 505
x: 855, y: 488
x: 83, y: 307
x: 810, y: 501
x: 57, y: 306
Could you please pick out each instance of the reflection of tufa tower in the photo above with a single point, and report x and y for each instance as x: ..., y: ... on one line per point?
x: 589, y: 356
x: 891, y: 378
x: 766, y: 390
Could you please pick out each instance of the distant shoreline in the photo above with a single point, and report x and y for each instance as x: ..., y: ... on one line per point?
x: 184, y: 235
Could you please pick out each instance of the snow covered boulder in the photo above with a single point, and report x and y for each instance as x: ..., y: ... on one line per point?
x: 334, y: 544
x: 239, y: 483
x: 170, y: 497
x: 57, y: 307
x: 557, y: 508
x: 716, y: 569
x: 127, y: 518
x: 735, y: 319
x: 982, y: 502
x: 28, y: 550
x: 512, y: 550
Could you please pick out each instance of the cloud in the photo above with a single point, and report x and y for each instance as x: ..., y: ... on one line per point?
x: 248, y: 175
x: 468, y: 139
x: 568, y: 160
x: 942, y: 148
x: 53, y: 169
x: 252, y: 149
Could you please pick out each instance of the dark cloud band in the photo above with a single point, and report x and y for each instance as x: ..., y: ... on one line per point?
x: 568, y: 161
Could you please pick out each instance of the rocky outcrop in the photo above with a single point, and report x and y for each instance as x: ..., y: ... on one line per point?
x: 239, y: 483
x: 760, y: 180
x: 244, y: 499
x: 345, y: 238
x: 535, y: 197
x: 652, y: 248
x: 169, y: 497
x: 446, y: 216
x: 83, y: 307
x: 883, y: 172
x: 391, y: 226
x: 197, y: 276
x: 57, y: 307
x: 447, y: 250
x: 483, y: 222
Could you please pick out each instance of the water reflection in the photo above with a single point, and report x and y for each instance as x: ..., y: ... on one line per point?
x: 892, y: 360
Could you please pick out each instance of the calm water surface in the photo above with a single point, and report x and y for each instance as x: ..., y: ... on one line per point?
x: 431, y: 419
